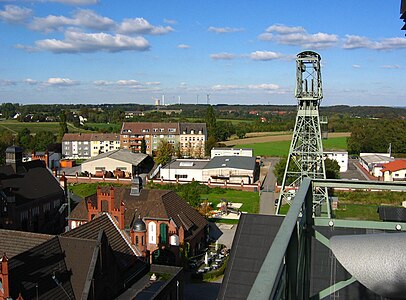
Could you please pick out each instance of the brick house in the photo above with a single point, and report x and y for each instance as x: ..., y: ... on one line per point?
x: 30, y: 196
x: 159, y: 223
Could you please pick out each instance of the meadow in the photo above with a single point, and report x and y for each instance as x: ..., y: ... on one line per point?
x: 14, y: 127
x: 281, y: 148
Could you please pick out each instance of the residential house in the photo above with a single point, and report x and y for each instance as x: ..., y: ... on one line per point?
x: 191, y: 136
x: 122, y: 163
x: 394, y: 170
x: 160, y: 224
x: 86, y: 145
x: 30, y: 195
x: 372, y: 162
x: 223, y: 151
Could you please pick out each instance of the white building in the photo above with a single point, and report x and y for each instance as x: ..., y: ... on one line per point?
x: 248, y: 152
x: 373, y: 162
x: 123, y: 160
x: 394, y: 171
x: 341, y: 157
x: 184, y: 170
x: 231, y: 169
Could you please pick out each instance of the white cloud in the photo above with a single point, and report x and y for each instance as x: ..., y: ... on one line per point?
x: 169, y: 21
x: 224, y: 29
x: 263, y: 86
x: 224, y: 87
x: 6, y: 82
x: 357, y: 42
x: 82, y: 18
x: 57, y: 81
x: 356, y: 66
x: 15, y: 14
x: 152, y: 83
x: 222, y: 56
x: 130, y: 82
x: 102, y: 82
x: 30, y: 81
x: 76, y: 42
x: 265, y: 55
x: 391, y: 67
x: 142, y: 26
x: 183, y: 46
x: 283, y: 29
x: 298, y: 36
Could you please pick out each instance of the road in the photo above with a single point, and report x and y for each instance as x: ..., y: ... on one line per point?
x: 268, y: 196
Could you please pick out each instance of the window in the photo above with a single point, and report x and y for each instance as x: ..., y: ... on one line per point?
x: 171, y: 136
x: 145, y: 130
x: 163, y: 232
x: 155, y: 129
x: 172, y: 129
x: 152, y: 233
x: 161, y: 129
x: 180, y: 176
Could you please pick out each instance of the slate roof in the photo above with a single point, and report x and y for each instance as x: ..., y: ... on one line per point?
x: 35, y: 181
x: 183, y: 164
x: 186, y: 128
x: 252, y: 240
x: 123, y: 155
x: 231, y: 162
x: 138, y: 127
x: 394, y: 166
x: 14, y: 242
x: 151, y: 204
x: 91, y: 137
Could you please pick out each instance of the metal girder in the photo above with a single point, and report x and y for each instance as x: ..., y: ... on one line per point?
x: 360, y: 184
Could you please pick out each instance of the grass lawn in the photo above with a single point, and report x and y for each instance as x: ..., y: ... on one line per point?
x: 104, y: 126
x: 281, y: 148
x: 250, y: 200
x: 86, y: 189
x: 15, y: 127
x: 357, y: 212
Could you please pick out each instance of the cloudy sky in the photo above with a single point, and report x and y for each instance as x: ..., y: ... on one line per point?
x: 238, y: 52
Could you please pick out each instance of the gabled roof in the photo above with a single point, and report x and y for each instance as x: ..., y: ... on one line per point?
x: 138, y: 127
x: 231, y: 162
x: 123, y: 155
x: 186, y: 128
x: 394, y: 166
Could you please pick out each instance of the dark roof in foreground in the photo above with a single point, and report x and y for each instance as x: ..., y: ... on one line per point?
x: 254, y: 237
x: 252, y: 240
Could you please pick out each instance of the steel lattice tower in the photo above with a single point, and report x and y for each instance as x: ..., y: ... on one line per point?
x: 305, y: 157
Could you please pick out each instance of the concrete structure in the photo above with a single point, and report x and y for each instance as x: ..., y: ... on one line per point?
x: 231, y: 169
x: 191, y: 137
x: 394, y: 171
x: 184, y: 170
x: 248, y: 152
x: 118, y: 160
x: 372, y: 162
x: 341, y: 157
x: 86, y: 145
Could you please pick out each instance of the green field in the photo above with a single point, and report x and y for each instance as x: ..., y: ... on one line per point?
x: 14, y: 127
x: 250, y: 200
x: 281, y: 148
x: 105, y: 126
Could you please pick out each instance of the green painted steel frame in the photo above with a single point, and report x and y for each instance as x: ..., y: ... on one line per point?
x: 285, y: 272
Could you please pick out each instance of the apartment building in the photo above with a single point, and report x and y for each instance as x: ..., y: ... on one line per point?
x: 187, y: 135
x: 87, y: 145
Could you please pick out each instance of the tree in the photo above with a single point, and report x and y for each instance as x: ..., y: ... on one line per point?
x: 332, y: 169
x: 42, y: 140
x: 6, y: 140
x: 164, y: 152
x: 24, y: 139
x: 211, y: 129
x: 63, y: 126
x: 143, y: 146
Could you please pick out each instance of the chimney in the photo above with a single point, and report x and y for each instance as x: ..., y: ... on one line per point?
x: 4, y: 292
x: 136, y: 186
x: 47, y: 158
x: 14, y: 157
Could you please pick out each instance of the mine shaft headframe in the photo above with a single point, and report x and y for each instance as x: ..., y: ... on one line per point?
x: 308, y: 76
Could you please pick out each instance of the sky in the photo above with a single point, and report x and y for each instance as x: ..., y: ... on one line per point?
x: 237, y: 52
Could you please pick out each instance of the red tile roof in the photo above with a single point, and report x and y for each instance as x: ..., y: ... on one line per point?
x: 394, y: 166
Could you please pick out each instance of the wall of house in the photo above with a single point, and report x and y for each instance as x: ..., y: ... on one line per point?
x: 192, y: 145
x: 182, y: 174
x: 394, y: 176
x: 106, y: 164
x: 98, y: 147
x: 231, y: 152
x: 235, y: 175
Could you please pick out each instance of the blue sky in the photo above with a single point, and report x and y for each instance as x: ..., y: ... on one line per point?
x: 239, y: 52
